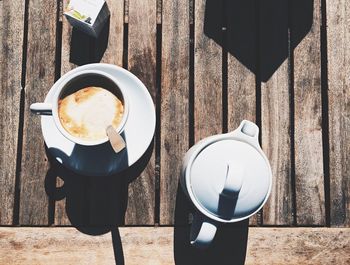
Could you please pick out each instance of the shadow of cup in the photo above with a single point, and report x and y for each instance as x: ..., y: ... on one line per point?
x: 93, y: 204
x: 228, y: 247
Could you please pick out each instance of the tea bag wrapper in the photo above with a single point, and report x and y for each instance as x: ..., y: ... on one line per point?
x: 88, y: 16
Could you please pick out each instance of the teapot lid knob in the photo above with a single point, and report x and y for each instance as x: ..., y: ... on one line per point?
x: 234, y: 180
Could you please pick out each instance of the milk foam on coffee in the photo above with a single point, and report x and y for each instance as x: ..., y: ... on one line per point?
x: 87, y: 113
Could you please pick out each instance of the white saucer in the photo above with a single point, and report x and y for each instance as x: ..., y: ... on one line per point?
x: 101, y: 160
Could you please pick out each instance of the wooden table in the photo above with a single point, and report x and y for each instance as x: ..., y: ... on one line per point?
x: 208, y: 65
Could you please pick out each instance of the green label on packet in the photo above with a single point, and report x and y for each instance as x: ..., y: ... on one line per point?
x: 77, y: 15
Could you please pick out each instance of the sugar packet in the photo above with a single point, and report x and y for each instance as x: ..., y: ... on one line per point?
x: 87, y: 15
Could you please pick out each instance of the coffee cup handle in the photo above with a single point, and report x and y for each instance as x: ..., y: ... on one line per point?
x: 41, y: 108
x: 206, y: 234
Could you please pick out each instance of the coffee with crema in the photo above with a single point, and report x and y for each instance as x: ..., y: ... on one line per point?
x: 87, y: 112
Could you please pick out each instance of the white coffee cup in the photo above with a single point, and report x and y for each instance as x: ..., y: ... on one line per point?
x: 75, y: 82
x: 228, y: 178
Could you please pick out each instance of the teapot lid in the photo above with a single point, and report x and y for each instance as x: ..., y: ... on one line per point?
x: 230, y: 177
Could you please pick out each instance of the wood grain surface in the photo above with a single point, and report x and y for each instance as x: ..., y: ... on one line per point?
x: 66, y: 39
x: 142, y: 52
x: 114, y: 51
x: 208, y: 115
x: 276, y: 145
x: 309, y: 177
x: 275, y: 111
x: 200, y: 94
x: 241, y: 94
x: 40, y: 76
x: 174, y: 115
x: 241, y: 87
x: 159, y: 11
x: 155, y: 246
x: 11, y: 36
x: 241, y: 82
x: 126, y: 11
x: 338, y: 37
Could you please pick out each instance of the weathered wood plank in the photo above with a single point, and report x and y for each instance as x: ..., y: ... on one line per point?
x: 142, y: 52
x: 241, y: 82
x: 11, y: 35
x: 40, y: 77
x: 126, y: 11
x: 155, y: 246
x: 159, y: 11
x: 298, y: 246
x: 113, y: 55
x: 174, y: 102
x: 338, y: 39
x: 309, y: 177
x: 276, y: 145
x: 66, y: 65
x: 241, y: 89
x: 114, y: 51
x: 207, y: 79
x: 275, y: 111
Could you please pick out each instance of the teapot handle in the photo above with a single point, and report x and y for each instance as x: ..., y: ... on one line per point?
x: 207, y: 230
x: 247, y: 131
